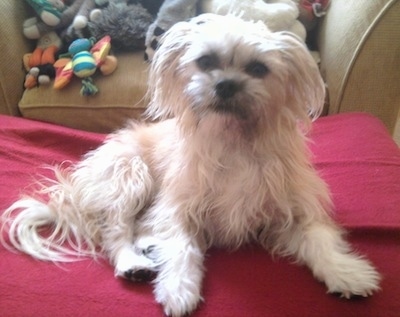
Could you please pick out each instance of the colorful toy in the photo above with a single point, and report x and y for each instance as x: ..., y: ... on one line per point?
x: 71, y: 20
x: 87, y: 57
x: 49, y: 11
x: 39, y: 63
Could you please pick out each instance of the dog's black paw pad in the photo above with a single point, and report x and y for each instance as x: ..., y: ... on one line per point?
x: 140, y: 275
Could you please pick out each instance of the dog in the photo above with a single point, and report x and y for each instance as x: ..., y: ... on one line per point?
x: 224, y: 163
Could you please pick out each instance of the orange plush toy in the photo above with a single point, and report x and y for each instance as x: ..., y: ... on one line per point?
x: 39, y: 63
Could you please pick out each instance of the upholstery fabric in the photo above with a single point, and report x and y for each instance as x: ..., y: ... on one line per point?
x: 12, y: 47
x: 353, y: 153
x: 120, y: 96
x: 359, y: 57
x: 358, y: 43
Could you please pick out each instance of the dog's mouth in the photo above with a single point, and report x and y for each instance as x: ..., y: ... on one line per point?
x: 231, y: 109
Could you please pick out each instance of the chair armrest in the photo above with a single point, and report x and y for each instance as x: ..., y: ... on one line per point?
x: 360, y: 48
x: 13, y: 46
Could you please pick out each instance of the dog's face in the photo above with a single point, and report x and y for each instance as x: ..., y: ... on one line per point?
x: 223, y: 72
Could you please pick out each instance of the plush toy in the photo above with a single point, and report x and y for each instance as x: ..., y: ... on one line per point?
x: 49, y: 11
x: 86, y: 58
x: 171, y: 12
x: 34, y: 28
x: 125, y: 23
x: 311, y: 10
x: 72, y: 19
x: 40, y: 63
x: 278, y: 15
x: 83, y: 15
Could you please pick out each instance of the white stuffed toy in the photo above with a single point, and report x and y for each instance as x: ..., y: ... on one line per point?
x: 74, y: 17
x: 278, y: 15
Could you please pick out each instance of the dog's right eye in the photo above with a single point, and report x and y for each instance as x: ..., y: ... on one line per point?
x: 207, y: 62
x: 257, y: 69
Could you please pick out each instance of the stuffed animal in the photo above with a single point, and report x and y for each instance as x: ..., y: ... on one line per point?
x: 278, y: 15
x: 125, y: 23
x: 73, y: 18
x: 49, y: 11
x: 134, y: 24
x: 86, y: 57
x: 40, y: 63
x: 171, y: 12
x: 84, y: 13
x: 311, y: 10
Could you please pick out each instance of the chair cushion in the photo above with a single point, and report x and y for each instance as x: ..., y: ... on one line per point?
x: 120, y: 96
x: 353, y: 153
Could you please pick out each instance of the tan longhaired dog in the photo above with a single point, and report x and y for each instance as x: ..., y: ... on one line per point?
x: 227, y: 164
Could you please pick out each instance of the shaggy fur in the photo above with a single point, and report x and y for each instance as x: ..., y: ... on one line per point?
x: 126, y: 24
x: 226, y: 164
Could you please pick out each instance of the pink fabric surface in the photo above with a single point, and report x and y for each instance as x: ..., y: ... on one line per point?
x: 353, y: 153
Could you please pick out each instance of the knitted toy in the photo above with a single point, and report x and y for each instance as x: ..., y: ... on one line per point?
x: 84, y: 14
x: 86, y: 58
x: 72, y: 19
x: 126, y: 21
x: 40, y: 63
x: 48, y: 10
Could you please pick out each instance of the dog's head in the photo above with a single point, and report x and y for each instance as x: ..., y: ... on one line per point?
x: 226, y: 71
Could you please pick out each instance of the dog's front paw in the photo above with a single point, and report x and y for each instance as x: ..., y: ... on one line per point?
x: 354, y: 276
x: 135, y: 266
x: 177, y: 297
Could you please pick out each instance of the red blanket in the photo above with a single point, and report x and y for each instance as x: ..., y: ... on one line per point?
x: 354, y: 154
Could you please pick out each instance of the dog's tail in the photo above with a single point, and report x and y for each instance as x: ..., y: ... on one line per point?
x: 23, y: 228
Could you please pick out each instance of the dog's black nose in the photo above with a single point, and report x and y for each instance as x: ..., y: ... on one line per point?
x: 226, y: 88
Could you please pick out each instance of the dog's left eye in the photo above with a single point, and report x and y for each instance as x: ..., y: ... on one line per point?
x: 207, y: 62
x: 257, y: 69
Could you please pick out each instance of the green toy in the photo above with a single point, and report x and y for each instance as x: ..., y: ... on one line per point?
x: 83, y: 59
x: 49, y: 11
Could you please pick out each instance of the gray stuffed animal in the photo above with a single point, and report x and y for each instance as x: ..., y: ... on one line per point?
x: 171, y: 12
x: 125, y: 23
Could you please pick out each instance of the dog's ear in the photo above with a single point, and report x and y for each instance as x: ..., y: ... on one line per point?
x: 164, y: 92
x: 305, y: 84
